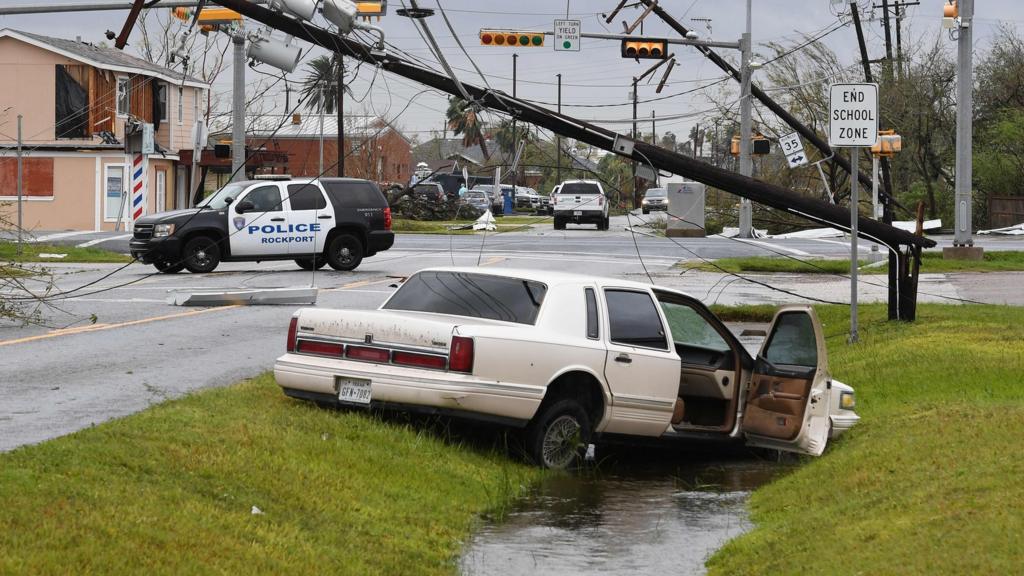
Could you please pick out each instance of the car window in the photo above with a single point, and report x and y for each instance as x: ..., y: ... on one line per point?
x: 792, y: 342
x: 218, y: 200
x: 306, y: 197
x: 576, y: 188
x: 474, y: 295
x: 690, y: 328
x: 264, y: 199
x: 633, y: 319
x: 593, y: 330
x: 349, y: 193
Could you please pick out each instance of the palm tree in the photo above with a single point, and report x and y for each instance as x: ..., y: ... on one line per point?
x: 463, y: 119
x: 320, y: 88
x: 323, y: 91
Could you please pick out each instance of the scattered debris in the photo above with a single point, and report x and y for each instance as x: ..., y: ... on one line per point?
x: 1017, y: 230
x: 48, y: 255
x: 911, y: 225
x: 813, y: 233
x: 485, y: 222
x: 256, y: 510
x: 243, y: 297
x: 732, y: 232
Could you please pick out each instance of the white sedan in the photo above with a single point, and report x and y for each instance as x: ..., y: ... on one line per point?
x: 570, y: 358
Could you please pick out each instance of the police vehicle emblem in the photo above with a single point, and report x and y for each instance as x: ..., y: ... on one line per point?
x: 239, y: 222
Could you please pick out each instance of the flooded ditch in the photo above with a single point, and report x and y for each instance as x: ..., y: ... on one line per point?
x: 653, y: 516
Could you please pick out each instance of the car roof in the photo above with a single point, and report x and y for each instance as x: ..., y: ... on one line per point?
x: 548, y: 277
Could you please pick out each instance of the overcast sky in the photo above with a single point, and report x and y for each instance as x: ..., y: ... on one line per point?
x: 596, y: 75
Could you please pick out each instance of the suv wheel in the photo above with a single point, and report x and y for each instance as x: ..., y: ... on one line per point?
x: 345, y: 252
x: 168, y: 268
x: 557, y: 438
x: 311, y: 263
x: 559, y: 223
x: 201, y: 254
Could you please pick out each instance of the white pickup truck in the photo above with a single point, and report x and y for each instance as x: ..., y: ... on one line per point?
x: 579, y: 202
x: 570, y: 358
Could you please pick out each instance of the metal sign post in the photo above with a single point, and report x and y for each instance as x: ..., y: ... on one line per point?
x: 20, y: 185
x: 853, y: 123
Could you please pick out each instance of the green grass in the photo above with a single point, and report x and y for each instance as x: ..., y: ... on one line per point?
x: 170, y: 491
x: 929, y: 482
x: 31, y: 252
x: 504, y: 224
x: 931, y: 262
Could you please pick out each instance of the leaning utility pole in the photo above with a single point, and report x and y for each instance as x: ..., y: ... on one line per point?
x: 762, y: 97
x: 20, y: 184
x: 558, y: 139
x: 634, y: 135
x: 238, y: 108
x: 341, y: 116
x: 746, y: 107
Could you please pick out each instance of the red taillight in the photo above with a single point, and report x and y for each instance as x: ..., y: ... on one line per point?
x: 387, y: 218
x: 461, y: 357
x: 292, y: 326
x: 367, y: 354
x: 322, y: 348
x: 420, y: 360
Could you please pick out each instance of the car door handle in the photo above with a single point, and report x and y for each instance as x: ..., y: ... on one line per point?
x: 624, y: 358
x: 277, y: 219
x: 324, y: 217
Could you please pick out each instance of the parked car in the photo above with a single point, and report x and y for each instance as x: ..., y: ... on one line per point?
x: 580, y: 202
x: 527, y: 199
x: 497, y: 202
x: 476, y: 200
x: 550, y: 200
x: 607, y: 357
x: 335, y: 221
x: 654, y: 199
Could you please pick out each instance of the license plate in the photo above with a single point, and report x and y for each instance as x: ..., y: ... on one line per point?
x: 354, y: 391
x: 577, y: 213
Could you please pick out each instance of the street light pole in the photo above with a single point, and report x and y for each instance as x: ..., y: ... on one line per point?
x: 746, y: 104
x: 20, y: 183
x: 515, y: 133
x: 964, y: 127
x: 558, y: 140
x: 634, y: 138
x: 238, y: 111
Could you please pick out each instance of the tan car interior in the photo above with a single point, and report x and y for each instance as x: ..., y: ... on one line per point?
x: 710, y: 369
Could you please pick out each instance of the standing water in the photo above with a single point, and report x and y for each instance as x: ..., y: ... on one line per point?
x: 666, y: 517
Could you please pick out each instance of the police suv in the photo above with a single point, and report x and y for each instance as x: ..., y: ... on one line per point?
x: 335, y: 221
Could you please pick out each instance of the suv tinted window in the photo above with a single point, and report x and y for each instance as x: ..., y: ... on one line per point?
x: 264, y: 199
x: 351, y: 194
x: 306, y: 197
x: 633, y: 319
x: 475, y: 295
x: 579, y: 188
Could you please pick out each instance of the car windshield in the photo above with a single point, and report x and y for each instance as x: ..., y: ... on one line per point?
x: 474, y: 295
x: 656, y: 193
x: 218, y: 200
x: 475, y: 196
x: 576, y: 188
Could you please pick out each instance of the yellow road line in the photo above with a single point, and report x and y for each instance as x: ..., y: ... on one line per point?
x: 494, y: 260
x: 99, y: 327
x: 357, y: 284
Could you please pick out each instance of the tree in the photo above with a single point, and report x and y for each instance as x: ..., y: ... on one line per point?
x: 464, y: 118
x: 999, y: 159
x: 320, y: 87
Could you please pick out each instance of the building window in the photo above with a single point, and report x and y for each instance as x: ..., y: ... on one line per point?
x: 123, y: 96
x: 181, y: 105
x: 161, y: 97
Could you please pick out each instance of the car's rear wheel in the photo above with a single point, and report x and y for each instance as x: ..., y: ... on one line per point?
x: 558, y: 436
x: 345, y: 252
x: 559, y: 223
x: 315, y: 263
x: 202, y: 254
x: 168, y: 267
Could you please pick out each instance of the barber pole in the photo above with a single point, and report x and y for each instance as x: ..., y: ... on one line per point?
x: 140, y: 165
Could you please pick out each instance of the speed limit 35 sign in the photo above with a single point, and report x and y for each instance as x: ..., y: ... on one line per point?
x: 793, y: 148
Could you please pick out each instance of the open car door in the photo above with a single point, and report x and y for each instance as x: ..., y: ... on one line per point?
x: 787, y: 402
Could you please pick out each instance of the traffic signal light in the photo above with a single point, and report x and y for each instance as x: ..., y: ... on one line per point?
x: 651, y: 48
x: 514, y: 38
x: 368, y: 10
x: 889, y: 143
x: 209, y: 16
x: 761, y: 145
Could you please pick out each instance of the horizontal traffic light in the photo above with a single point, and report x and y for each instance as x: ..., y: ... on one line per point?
x: 211, y: 15
x: 511, y: 38
x: 645, y: 48
x: 889, y: 143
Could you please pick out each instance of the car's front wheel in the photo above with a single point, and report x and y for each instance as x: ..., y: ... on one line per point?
x: 558, y: 436
x: 168, y: 267
x: 345, y: 252
x: 202, y: 255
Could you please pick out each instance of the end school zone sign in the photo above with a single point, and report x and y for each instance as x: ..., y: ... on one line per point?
x: 853, y: 115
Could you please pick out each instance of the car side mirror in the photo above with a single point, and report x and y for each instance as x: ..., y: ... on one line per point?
x: 244, y: 207
x: 228, y: 201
